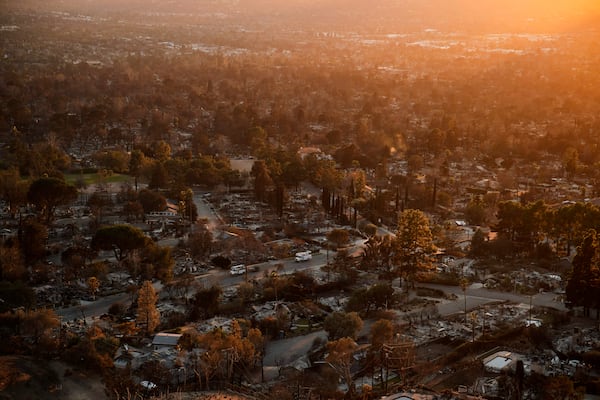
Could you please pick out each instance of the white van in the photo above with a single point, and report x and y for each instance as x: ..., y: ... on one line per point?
x: 303, y: 256
x: 237, y: 269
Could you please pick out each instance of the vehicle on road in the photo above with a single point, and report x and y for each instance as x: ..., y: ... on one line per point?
x: 303, y: 256
x: 148, y: 385
x: 237, y: 269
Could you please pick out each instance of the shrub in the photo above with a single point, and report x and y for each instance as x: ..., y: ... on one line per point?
x: 427, y: 292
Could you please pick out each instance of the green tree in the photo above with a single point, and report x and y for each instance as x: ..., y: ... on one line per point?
x: 152, y: 201
x: 133, y: 211
x: 205, y: 303
x: 571, y: 161
x: 328, y: 175
x: 148, y: 316
x: 113, y: 160
x: 257, y: 138
x: 478, y: 244
x: 33, y: 238
x: 475, y: 212
x: 48, y: 193
x: 74, y: 260
x: 378, y: 255
x: 523, y: 224
x: 187, y: 207
x: 160, y: 259
x: 293, y: 172
x: 339, y: 237
x: 583, y: 286
x: 262, y: 180
x: 380, y: 295
x: 344, y: 265
x: 159, y: 176
x: 510, y: 215
x: 13, y: 189
x: 45, y: 159
x: 568, y: 223
x: 137, y: 160
x: 341, y: 324
x: 200, y: 242
x: 533, y: 224
x: 97, y: 203
x: 121, y: 239
x: 358, y: 300
x: 413, y: 244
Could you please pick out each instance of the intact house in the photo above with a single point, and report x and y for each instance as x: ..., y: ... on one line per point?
x: 165, y: 340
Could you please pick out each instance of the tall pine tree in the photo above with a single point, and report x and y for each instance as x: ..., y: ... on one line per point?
x: 148, y: 317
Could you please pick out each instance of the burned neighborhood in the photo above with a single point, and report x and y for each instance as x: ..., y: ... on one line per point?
x: 299, y: 200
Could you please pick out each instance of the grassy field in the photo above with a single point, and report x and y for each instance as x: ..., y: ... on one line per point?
x: 95, y: 178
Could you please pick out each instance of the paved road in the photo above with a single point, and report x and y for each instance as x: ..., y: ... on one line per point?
x: 100, y: 306
x: 478, y: 296
x: 206, y: 210
x: 90, y: 309
x: 257, y: 271
x: 284, y: 351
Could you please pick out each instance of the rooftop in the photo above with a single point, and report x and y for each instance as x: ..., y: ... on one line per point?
x: 166, y: 339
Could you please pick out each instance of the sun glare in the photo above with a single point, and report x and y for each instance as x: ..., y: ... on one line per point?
x: 563, y: 15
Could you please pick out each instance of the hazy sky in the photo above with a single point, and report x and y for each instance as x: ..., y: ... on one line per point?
x: 536, y: 15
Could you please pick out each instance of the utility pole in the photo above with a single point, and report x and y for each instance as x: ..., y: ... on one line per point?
x: 530, y: 303
x: 473, y: 316
x: 463, y: 285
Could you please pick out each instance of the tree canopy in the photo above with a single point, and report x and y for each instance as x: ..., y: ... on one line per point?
x: 583, y: 286
x: 340, y: 357
x: 48, y: 193
x: 413, y: 245
x: 121, y: 239
x: 338, y: 237
x: 148, y: 316
x: 340, y: 324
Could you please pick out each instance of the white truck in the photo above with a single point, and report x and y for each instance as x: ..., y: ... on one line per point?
x: 303, y: 256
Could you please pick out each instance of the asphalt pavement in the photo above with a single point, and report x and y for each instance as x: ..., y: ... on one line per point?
x: 477, y: 296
